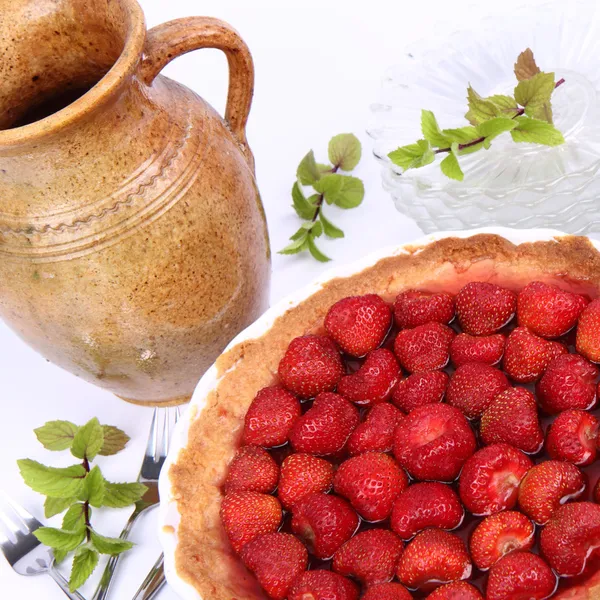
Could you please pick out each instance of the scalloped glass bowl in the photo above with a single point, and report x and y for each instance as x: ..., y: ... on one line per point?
x: 516, y: 185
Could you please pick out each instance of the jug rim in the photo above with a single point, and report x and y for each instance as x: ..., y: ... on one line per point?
x: 125, y: 65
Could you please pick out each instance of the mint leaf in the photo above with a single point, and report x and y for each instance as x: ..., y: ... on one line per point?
x: 308, y: 172
x: 345, y: 151
x: 120, y: 495
x: 542, y: 112
x: 323, y: 168
x: 298, y: 245
x: 93, y: 488
x: 315, y: 252
x: 50, y: 481
x: 59, y: 555
x: 329, y: 185
x: 88, y: 440
x: 535, y: 94
x: 74, y: 519
x: 317, y: 229
x: 526, y: 67
x: 84, y: 563
x: 471, y: 149
x: 115, y: 440
x: 329, y: 228
x: 451, y: 168
x: 59, y: 538
x: 352, y: 193
x: 108, y: 545
x: 508, y: 106
x: 413, y: 155
x: 431, y: 130
x: 56, y: 435
x: 495, y: 126
x: 480, y: 109
x: 535, y: 131
x: 302, y: 232
x: 301, y: 205
x: 54, y: 506
x: 462, y: 135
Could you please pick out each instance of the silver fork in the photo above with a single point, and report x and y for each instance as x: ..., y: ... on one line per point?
x: 159, y: 439
x: 23, y: 551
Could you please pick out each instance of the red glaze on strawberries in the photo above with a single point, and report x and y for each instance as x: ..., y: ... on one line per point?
x: 573, y: 437
x: 252, y: 470
x: 457, y: 590
x: 323, y: 585
x: 413, y: 308
x: 387, y: 591
x: 376, y: 432
x: 484, y: 308
x: 467, y: 348
x: 424, y: 348
x: 418, y: 389
x: 588, y: 332
x: 302, y: 475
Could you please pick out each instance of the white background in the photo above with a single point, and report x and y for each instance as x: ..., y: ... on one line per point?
x: 318, y: 68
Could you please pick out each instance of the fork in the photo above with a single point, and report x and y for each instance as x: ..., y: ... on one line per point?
x: 23, y: 551
x: 161, y: 430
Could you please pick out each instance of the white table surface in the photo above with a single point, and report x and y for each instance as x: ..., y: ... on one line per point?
x: 318, y: 67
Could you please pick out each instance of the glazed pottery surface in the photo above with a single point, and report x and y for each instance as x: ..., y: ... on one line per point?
x: 133, y: 244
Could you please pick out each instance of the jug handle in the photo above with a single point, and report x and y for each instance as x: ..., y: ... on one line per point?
x: 174, y: 38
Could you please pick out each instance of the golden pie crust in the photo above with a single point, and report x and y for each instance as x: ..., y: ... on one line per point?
x: 204, y: 557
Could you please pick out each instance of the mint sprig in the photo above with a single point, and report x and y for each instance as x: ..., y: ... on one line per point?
x: 330, y: 187
x: 78, y: 488
x: 527, y: 117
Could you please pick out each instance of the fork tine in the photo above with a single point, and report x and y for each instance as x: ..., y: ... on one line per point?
x: 153, y: 435
x: 26, y: 521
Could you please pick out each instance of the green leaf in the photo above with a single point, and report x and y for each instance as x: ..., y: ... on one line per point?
x: 462, y: 135
x: 323, y: 168
x: 74, y: 519
x: 56, y: 435
x: 536, y: 93
x: 526, y: 67
x: 301, y: 233
x: 451, y: 168
x: 120, y: 495
x: 93, y: 488
x: 59, y: 555
x: 295, y: 247
x: 480, y: 109
x: 54, y: 506
x: 508, y: 106
x: 115, y: 440
x: 50, y: 481
x: 329, y: 186
x: 314, y: 199
x: 413, y: 156
x: 345, y: 151
x: 303, y: 208
x: 59, y: 538
x: 315, y: 252
x: 495, y: 126
x: 344, y: 191
x: 471, y: 149
x: 542, y: 112
x: 109, y: 545
x: 84, y: 563
x: 317, y: 229
x: 536, y: 132
x: 308, y: 172
x: 431, y: 130
x: 88, y: 440
x: 329, y: 228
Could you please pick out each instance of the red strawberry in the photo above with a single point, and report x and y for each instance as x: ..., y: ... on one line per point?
x: 374, y: 381
x: 371, y: 556
x: 376, y: 433
x: 418, y: 389
x: 270, y: 417
x: 588, y: 332
x: 458, y: 590
x: 548, y: 311
x: 484, y: 308
x: 548, y: 486
x: 359, y: 324
x: 325, y: 427
x: 302, y: 475
x: 527, y: 356
x: 498, y: 535
x: 246, y: 515
x: 276, y: 559
x: 414, y: 308
x: 323, y: 585
x: 311, y: 365
x: 520, y: 575
x: 424, y: 505
x: 597, y: 492
x: 489, y: 481
x: 466, y: 348
x: 433, y: 442
x: 252, y: 470
x: 567, y: 383
x: 473, y: 386
x: 573, y: 437
x: 324, y: 522
x: 371, y: 482
x: 424, y: 348
x: 434, y: 555
x: 512, y: 418
x: 387, y: 591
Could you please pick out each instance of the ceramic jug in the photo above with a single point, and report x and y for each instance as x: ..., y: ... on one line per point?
x: 133, y: 243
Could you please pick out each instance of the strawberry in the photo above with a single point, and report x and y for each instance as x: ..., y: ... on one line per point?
x: 489, y: 481
x: 467, y: 348
x: 424, y: 348
x: 270, y: 417
x: 588, y: 332
x: 325, y: 427
x: 371, y: 556
x: 374, y: 381
x: 573, y: 437
x: 311, y: 365
x: 434, y: 556
x: 371, y: 482
x: 569, y: 382
x: 413, y: 308
x: 548, y: 486
x: 376, y: 433
x: 418, y: 389
x: 457, y: 590
x: 527, y: 356
x: 589, y: 590
x: 387, y: 591
x: 276, y: 559
x: 498, y: 535
x: 359, y: 324
x: 246, y: 515
x: 424, y: 505
x: 484, y: 308
x: 512, y: 418
x: 324, y: 522
x: 473, y: 386
x: 433, y: 442
x: 323, y: 585
x: 302, y: 475
x: 571, y: 537
x: 520, y: 576
x: 548, y: 311
x: 252, y: 470
x: 597, y: 492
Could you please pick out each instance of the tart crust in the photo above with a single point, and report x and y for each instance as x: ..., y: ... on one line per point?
x: 204, y: 558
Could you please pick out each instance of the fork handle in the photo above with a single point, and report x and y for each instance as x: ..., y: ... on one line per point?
x: 154, y: 581
x: 63, y: 584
